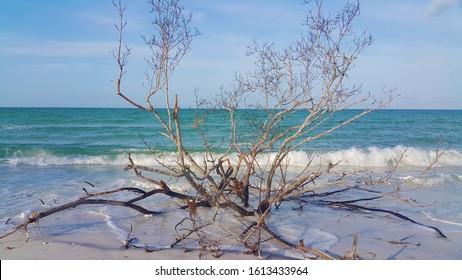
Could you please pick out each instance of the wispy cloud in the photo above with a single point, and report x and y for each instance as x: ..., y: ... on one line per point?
x: 437, y: 7
x: 19, y: 46
x: 104, y: 20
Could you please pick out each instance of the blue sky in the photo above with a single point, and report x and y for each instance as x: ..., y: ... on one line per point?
x: 57, y: 52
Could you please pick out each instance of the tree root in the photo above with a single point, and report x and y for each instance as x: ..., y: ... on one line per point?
x: 348, y: 205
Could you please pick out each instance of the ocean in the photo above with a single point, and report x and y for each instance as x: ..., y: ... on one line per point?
x: 46, y: 154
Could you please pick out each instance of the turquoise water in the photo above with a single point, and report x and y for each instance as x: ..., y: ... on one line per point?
x: 46, y: 154
x: 99, y: 136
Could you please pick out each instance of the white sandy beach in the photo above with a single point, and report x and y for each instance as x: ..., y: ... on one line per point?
x: 94, y: 233
x: 381, y: 244
x: 91, y: 247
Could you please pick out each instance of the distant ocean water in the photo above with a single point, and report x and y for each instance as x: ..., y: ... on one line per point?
x: 47, y: 153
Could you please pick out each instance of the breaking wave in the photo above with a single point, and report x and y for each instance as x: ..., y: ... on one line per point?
x: 370, y: 157
x: 407, y: 156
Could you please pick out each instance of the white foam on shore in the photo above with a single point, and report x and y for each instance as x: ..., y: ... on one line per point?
x: 430, y: 217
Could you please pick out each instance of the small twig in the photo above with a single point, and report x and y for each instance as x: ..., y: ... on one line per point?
x: 402, y: 239
x: 128, y: 242
x: 249, y: 227
x: 88, y: 183
x: 352, y: 253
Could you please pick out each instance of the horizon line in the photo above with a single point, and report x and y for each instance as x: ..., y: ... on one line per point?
x: 192, y: 108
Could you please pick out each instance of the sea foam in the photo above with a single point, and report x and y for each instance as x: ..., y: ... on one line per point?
x: 382, y: 157
x: 370, y: 157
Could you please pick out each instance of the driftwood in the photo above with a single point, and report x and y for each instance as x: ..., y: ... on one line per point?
x: 350, y: 205
x: 89, y: 199
x: 36, y: 215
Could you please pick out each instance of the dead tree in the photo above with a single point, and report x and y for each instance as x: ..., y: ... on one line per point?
x: 250, y: 178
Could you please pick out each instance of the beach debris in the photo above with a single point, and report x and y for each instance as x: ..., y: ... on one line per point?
x: 403, y: 242
x: 148, y: 250
x: 34, y: 217
x: 352, y: 254
x: 129, y: 241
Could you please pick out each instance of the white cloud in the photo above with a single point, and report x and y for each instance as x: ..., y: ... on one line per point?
x: 437, y: 7
x: 14, y: 45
